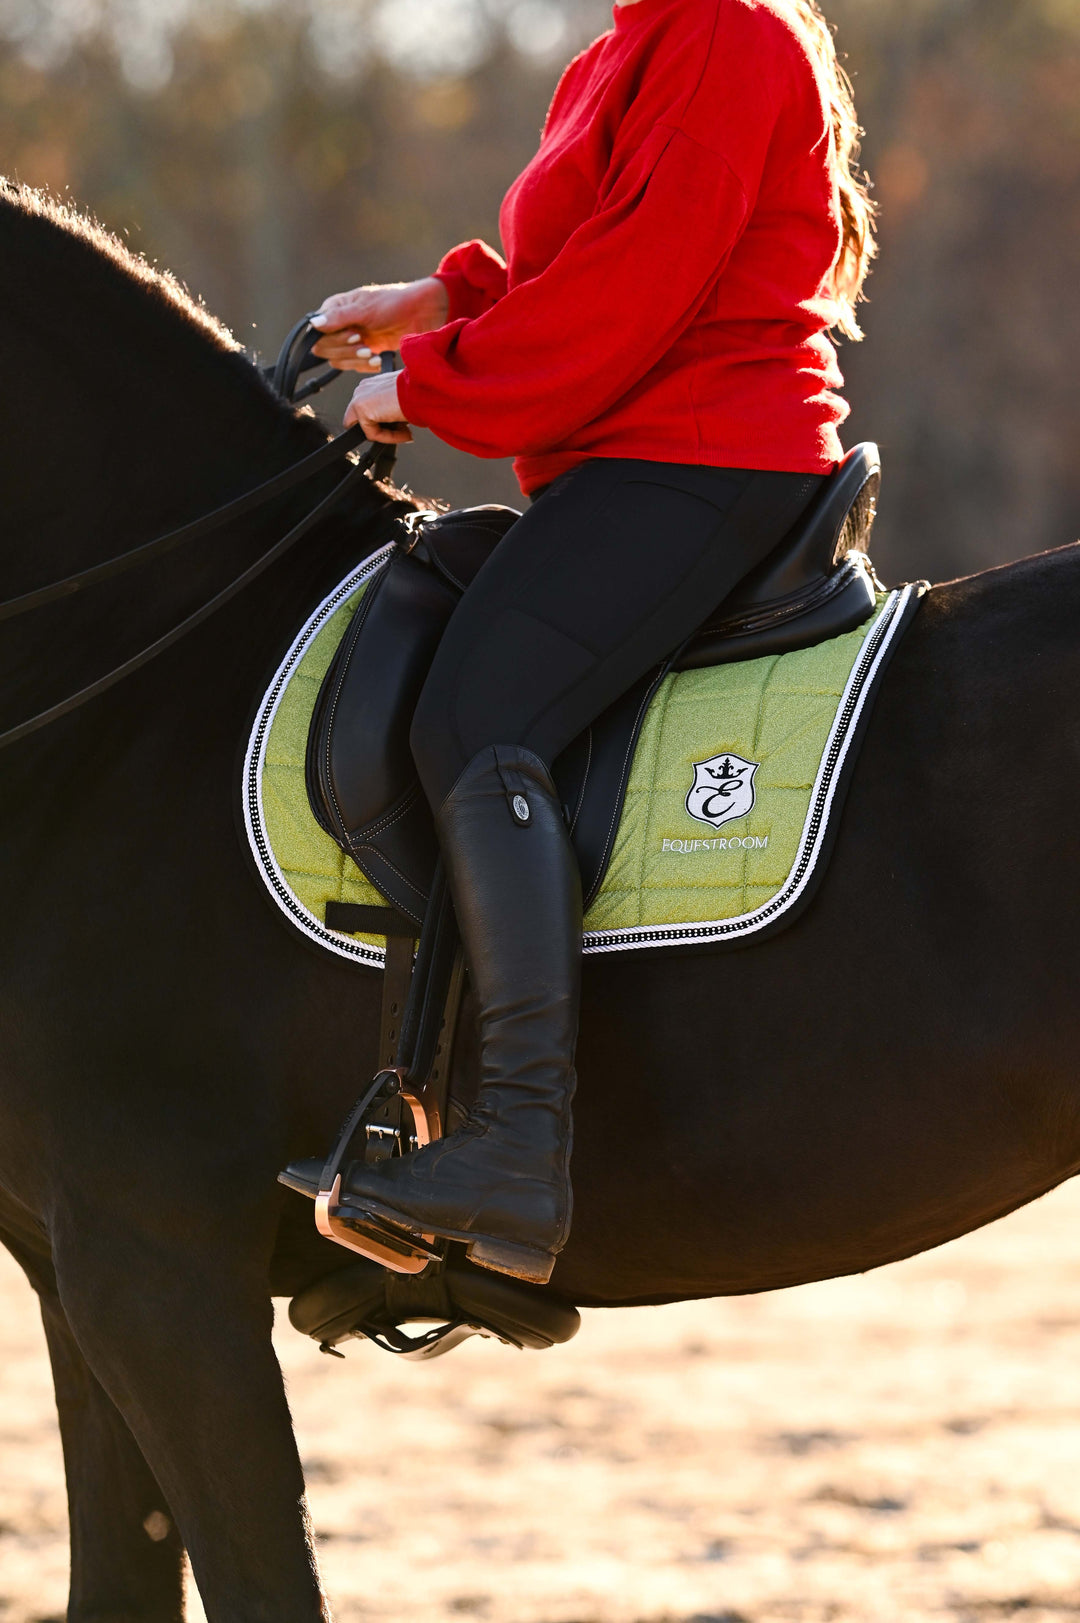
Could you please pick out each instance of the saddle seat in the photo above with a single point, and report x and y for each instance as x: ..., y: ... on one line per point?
x: 818, y: 583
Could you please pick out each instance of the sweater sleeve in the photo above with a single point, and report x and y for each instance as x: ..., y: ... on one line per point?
x: 475, y: 278
x: 561, y: 348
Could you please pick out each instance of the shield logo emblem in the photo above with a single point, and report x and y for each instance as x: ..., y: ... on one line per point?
x: 723, y: 789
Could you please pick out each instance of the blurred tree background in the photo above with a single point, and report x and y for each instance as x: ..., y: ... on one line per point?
x: 272, y: 151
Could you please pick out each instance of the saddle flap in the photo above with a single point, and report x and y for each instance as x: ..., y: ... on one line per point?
x: 373, y: 694
x: 361, y: 781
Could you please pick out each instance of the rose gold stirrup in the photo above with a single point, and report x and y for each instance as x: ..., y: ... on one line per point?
x: 395, y: 1119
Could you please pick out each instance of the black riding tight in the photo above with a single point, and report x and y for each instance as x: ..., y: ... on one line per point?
x: 611, y: 568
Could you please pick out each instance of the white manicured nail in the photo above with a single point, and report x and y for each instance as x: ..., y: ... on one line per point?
x: 318, y: 320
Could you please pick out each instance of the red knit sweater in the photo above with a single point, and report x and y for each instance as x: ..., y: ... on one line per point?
x: 665, y: 292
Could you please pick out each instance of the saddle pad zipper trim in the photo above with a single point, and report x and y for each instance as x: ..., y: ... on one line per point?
x: 254, y: 815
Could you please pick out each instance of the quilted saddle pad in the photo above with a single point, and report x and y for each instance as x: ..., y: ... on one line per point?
x: 729, y: 810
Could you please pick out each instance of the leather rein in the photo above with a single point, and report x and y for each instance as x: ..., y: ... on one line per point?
x: 295, y: 358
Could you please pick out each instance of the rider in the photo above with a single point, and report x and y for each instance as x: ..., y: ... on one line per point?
x: 654, y: 350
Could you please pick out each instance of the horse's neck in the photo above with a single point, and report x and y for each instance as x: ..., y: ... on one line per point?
x: 91, y: 471
x: 123, y: 412
x: 143, y: 424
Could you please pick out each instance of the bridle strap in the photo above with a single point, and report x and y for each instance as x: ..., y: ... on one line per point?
x: 300, y: 471
x: 152, y: 650
x: 295, y: 358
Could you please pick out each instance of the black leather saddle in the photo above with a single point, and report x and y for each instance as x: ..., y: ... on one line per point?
x: 362, y: 785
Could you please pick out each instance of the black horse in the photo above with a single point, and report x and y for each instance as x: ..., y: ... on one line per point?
x: 895, y: 1069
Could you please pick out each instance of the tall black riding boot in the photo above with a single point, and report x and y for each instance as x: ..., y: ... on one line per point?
x: 501, y: 1182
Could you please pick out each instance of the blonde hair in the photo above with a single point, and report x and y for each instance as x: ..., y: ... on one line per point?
x: 857, y: 209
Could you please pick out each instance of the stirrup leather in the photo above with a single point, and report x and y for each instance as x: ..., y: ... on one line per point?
x: 405, y: 1105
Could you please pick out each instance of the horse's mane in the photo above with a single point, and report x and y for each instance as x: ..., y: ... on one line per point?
x: 88, y: 236
x: 96, y: 250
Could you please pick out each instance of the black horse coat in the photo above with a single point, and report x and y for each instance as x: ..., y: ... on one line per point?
x: 896, y: 1068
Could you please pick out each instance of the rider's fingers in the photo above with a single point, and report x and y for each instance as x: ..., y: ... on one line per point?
x: 382, y: 433
x: 340, y: 343
x: 357, y: 341
x: 346, y: 363
x: 347, y: 351
x: 339, y: 318
x: 388, y: 433
x: 339, y: 350
x: 339, y: 310
x: 374, y: 405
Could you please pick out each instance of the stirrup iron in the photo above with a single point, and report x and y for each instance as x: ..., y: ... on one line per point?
x: 405, y: 1105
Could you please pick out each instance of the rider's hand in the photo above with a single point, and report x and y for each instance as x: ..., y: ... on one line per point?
x: 374, y: 406
x: 359, y: 324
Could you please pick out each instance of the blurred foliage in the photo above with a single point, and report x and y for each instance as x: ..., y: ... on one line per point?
x: 271, y: 151
x: 967, y: 378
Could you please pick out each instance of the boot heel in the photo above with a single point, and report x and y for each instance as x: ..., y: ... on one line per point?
x: 523, y: 1261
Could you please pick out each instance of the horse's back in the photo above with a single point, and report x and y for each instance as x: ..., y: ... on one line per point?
x: 896, y: 1067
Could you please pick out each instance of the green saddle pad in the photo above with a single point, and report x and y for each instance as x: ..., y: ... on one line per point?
x: 731, y: 801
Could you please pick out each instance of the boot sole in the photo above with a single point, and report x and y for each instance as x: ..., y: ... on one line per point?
x: 302, y: 1186
x: 501, y: 1256
x: 522, y: 1261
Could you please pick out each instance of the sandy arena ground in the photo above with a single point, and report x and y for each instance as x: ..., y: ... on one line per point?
x: 904, y: 1445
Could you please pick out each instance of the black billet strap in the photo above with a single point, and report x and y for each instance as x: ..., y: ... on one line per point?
x: 152, y: 650
x: 357, y: 918
x: 397, y: 979
x: 324, y: 457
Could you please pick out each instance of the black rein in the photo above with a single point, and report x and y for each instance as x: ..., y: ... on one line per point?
x: 335, y: 451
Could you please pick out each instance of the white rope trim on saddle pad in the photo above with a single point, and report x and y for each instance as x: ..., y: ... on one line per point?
x: 254, y: 760
x: 859, y: 685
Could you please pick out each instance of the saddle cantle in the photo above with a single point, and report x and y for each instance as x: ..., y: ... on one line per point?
x: 817, y: 583
x: 362, y: 786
